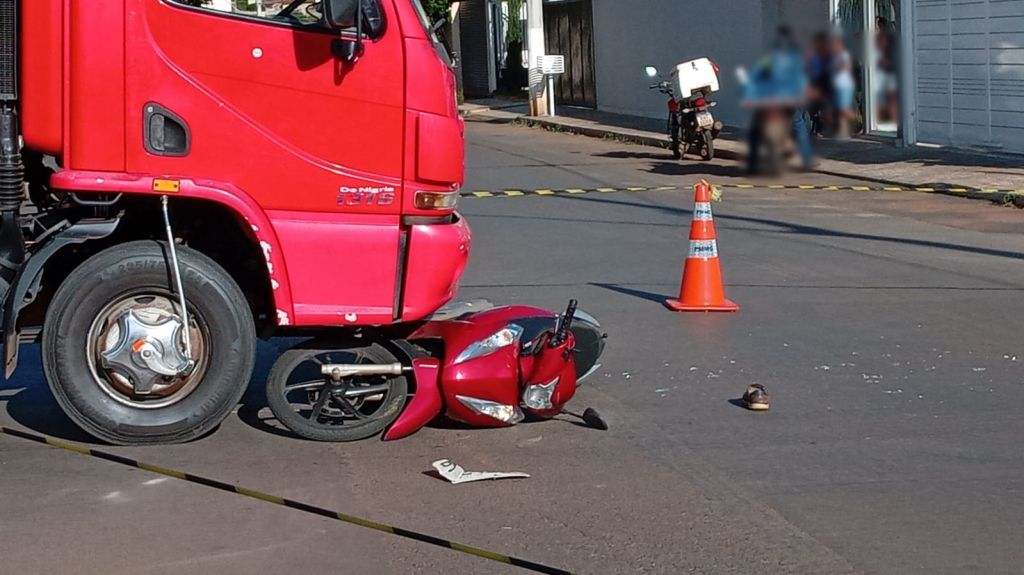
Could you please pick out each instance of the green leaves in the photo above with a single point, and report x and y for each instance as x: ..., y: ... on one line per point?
x: 437, y: 9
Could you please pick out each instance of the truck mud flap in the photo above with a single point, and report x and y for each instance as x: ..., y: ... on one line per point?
x: 28, y: 279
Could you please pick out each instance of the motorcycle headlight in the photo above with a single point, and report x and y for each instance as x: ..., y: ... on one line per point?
x: 509, y: 414
x: 508, y: 335
x: 539, y: 396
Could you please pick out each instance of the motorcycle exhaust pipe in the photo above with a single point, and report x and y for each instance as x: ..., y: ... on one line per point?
x: 339, y: 371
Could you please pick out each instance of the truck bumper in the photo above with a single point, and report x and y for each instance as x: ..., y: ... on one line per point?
x: 436, y: 257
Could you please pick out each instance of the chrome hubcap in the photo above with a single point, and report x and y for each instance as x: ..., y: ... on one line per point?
x: 145, y: 352
x: 137, y: 351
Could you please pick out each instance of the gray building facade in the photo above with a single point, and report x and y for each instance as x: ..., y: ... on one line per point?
x: 946, y: 72
x: 630, y: 35
x: 959, y: 63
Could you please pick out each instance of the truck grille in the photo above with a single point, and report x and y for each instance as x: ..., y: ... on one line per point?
x: 8, y: 50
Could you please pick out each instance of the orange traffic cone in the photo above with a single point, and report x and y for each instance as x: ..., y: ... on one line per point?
x: 702, y: 288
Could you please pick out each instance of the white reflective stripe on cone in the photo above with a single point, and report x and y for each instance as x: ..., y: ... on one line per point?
x: 705, y: 249
x: 702, y: 211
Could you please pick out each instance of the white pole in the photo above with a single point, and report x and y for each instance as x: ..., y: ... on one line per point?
x: 908, y: 74
x: 535, y: 46
x: 551, y: 95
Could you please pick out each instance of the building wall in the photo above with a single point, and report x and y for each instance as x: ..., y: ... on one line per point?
x: 969, y: 73
x: 475, y: 55
x: 631, y: 34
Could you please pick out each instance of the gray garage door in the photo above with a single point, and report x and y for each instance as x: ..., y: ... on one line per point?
x: 970, y: 72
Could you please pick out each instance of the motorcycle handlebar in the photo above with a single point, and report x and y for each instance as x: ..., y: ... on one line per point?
x: 564, y: 324
x: 662, y: 87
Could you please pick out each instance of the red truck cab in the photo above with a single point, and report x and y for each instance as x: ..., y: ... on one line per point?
x: 329, y: 162
x: 315, y: 163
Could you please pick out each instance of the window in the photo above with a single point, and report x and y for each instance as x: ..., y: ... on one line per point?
x: 295, y: 12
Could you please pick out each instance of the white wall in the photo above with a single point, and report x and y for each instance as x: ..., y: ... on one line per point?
x: 631, y: 34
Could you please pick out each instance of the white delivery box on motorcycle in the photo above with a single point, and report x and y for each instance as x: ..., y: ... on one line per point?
x: 694, y: 76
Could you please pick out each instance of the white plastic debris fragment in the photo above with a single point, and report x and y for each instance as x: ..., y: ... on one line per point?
x: 456, y: 474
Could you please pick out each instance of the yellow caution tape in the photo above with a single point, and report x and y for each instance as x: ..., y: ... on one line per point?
x: 292, y: 504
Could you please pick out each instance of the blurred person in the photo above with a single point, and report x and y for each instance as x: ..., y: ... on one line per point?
x: 843, y: 87
x: 819, y: 72
x: 887, y: 92
x: 779, y: 83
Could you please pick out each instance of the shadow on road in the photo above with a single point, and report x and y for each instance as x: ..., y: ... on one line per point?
x: 798, y: 229
x: 665, y: 165
x: 645, y: 295
x: 635, y: 155
x: 696, y: 168
x: 27, y: 399
x: 33, y: 407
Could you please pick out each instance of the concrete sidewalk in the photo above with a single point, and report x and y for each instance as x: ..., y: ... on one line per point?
x: 869, y: 159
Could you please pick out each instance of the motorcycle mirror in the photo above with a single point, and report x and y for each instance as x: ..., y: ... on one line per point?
x: 651, y: 71
x: 741, y: 75
x: 592, y: 418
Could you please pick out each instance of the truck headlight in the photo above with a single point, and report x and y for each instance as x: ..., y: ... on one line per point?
x: 426, y: 200
x: 508, y: 335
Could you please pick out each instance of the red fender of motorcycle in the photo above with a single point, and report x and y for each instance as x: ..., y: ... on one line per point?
x: 425, y: 404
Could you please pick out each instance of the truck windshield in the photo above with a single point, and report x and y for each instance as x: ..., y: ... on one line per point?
x: 424, y: 18
x: 428, y: 26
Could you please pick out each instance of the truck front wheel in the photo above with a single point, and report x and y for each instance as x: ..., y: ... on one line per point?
x: 113, y: 345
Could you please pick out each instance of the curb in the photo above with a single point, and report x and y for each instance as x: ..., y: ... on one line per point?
x: 1001, y: 197
x: 633, y: 137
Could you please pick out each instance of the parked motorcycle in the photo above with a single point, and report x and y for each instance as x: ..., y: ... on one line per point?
x: 487, y: 368
x: 691, y: 126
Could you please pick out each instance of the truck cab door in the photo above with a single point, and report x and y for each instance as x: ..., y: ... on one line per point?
x: 261, y: 103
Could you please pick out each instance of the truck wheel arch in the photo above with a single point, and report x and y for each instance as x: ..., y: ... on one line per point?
x: 224, y: 194
x: 268, y: 293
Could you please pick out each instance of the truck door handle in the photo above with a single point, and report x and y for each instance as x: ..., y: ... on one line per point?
x: 164, y: 132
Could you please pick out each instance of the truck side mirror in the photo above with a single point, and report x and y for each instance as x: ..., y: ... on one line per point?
x: 365, y: 15
x: 341, y: 14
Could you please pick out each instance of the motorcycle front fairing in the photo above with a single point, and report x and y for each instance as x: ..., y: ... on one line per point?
x: 488, y: 367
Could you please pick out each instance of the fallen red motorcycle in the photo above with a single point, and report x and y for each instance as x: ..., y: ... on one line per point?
x: 487, y: 368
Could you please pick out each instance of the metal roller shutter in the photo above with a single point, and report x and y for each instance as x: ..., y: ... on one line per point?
x: 970, y: 72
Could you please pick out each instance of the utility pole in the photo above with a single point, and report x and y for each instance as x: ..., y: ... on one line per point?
x: 535, y: 47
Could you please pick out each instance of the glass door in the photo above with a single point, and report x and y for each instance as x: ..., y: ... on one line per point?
x: 882, y: 85
x: 870, y: 30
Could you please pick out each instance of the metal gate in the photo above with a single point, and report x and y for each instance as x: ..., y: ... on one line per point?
x: 569, y: 31
x: 970, y: 72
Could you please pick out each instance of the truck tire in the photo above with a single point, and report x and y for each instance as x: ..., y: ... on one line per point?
x: 131, y: 282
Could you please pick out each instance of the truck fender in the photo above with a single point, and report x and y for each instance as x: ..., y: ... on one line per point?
x: 26, y: 283
x: 223, y: 193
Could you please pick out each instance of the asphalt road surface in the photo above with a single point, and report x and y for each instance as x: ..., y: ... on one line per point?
x: 885, y: 326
